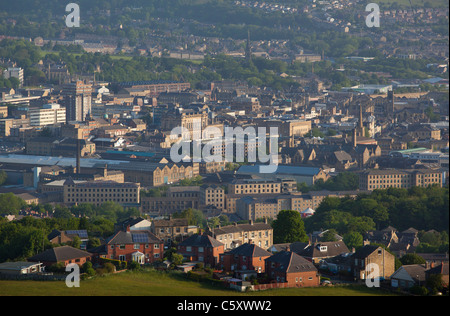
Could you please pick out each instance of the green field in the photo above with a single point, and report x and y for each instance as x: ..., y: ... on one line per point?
x: 153, y: 283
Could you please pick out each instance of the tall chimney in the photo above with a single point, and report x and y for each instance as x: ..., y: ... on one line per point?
x: 354, y: 138
x: 78, y: 156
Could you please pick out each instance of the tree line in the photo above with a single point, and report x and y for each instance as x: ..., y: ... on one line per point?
x: 425, y: 209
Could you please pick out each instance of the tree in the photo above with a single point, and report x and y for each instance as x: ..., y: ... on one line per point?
x: 329, y: 235
x: 177, y: 259
x: 3, y: 177
x: 289, y: 227
x: 412, y: 258
x: 11, y: 204
x: 76, y: 242
x: 353, y: 240
x: 434, y: 283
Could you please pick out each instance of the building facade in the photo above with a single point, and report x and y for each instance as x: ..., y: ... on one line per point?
x: 98, y: 192
x: 396, y: 178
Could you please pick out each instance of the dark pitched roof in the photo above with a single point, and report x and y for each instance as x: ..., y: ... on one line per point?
x: 317, y: 250
x: 365, y: 251
x: 415, y: 271
x: 204, y: 240
x: 250, y: 250
x: 241, y: 227
x: 130, y: 222
x: 60, y: 254
x: 290, y: 262
x: 134, y: 237
x: 440, y: 269
x: 171, y: 222
x: 54, y: 233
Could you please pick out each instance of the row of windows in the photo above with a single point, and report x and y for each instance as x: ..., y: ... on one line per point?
x: 88, y: 200
x: 101, y: 195
x: 101, y: 190
x: 135, y: 246
x: 123, y: 257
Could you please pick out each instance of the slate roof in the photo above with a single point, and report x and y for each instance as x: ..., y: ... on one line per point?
x: 365, y: 251
x: 170, y: 222
x: 241, y: 227
x: 250, y: 250
x: 415, y: 271
x: 204, y: 240
x: 134, y: 237
x: 290, y: 262
x: 58, y: 254
x: 334, y: 248
x: 440, y: 269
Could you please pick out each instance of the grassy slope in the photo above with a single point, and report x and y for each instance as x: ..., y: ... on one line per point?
x: 159, y: 284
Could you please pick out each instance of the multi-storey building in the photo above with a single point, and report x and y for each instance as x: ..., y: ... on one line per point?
x: 261, y: 186
x: 255, y: 207
x: 140, y: 246
x: 77, y: 98
x: 64, y: 147
x: 98, y: 192
x: 232, y: 236
x: 212, y: 195
x: 156, y: 87
x: 7, y: 124
x: 15, y: 72
x: 395, y: 178
x: 172, y: 229
x: 245, y: 257
x: 3, y: 111
x: 49, y: 114
x: 202, y: 248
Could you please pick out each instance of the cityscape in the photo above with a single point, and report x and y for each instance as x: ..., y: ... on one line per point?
x: 224, y: 148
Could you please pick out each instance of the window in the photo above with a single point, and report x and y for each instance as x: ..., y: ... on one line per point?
x: 136, y: 246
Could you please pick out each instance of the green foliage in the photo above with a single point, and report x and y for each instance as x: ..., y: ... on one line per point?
x: 353, y: 240
x: 194, y: 217
x: 289, y: 227
x: 194, y: 181
x: 11, y: 204
x: 419, y: 290
x: 412, y: 258
x: 3, y: 177
x: 329, y: 235
x: 434, y: 283
x: 422, y: 208
x: 344, y: 181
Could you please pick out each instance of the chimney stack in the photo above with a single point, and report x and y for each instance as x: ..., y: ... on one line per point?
x: 354, y: 138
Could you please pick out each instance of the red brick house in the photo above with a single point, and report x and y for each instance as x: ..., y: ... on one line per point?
x: 141, y: 246
x: 245, y: 257
x: 288, y: 267
x: 202, y: 248
x: 64, y: 254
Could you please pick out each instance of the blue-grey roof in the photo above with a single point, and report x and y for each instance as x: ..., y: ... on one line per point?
x: 292, y: 170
